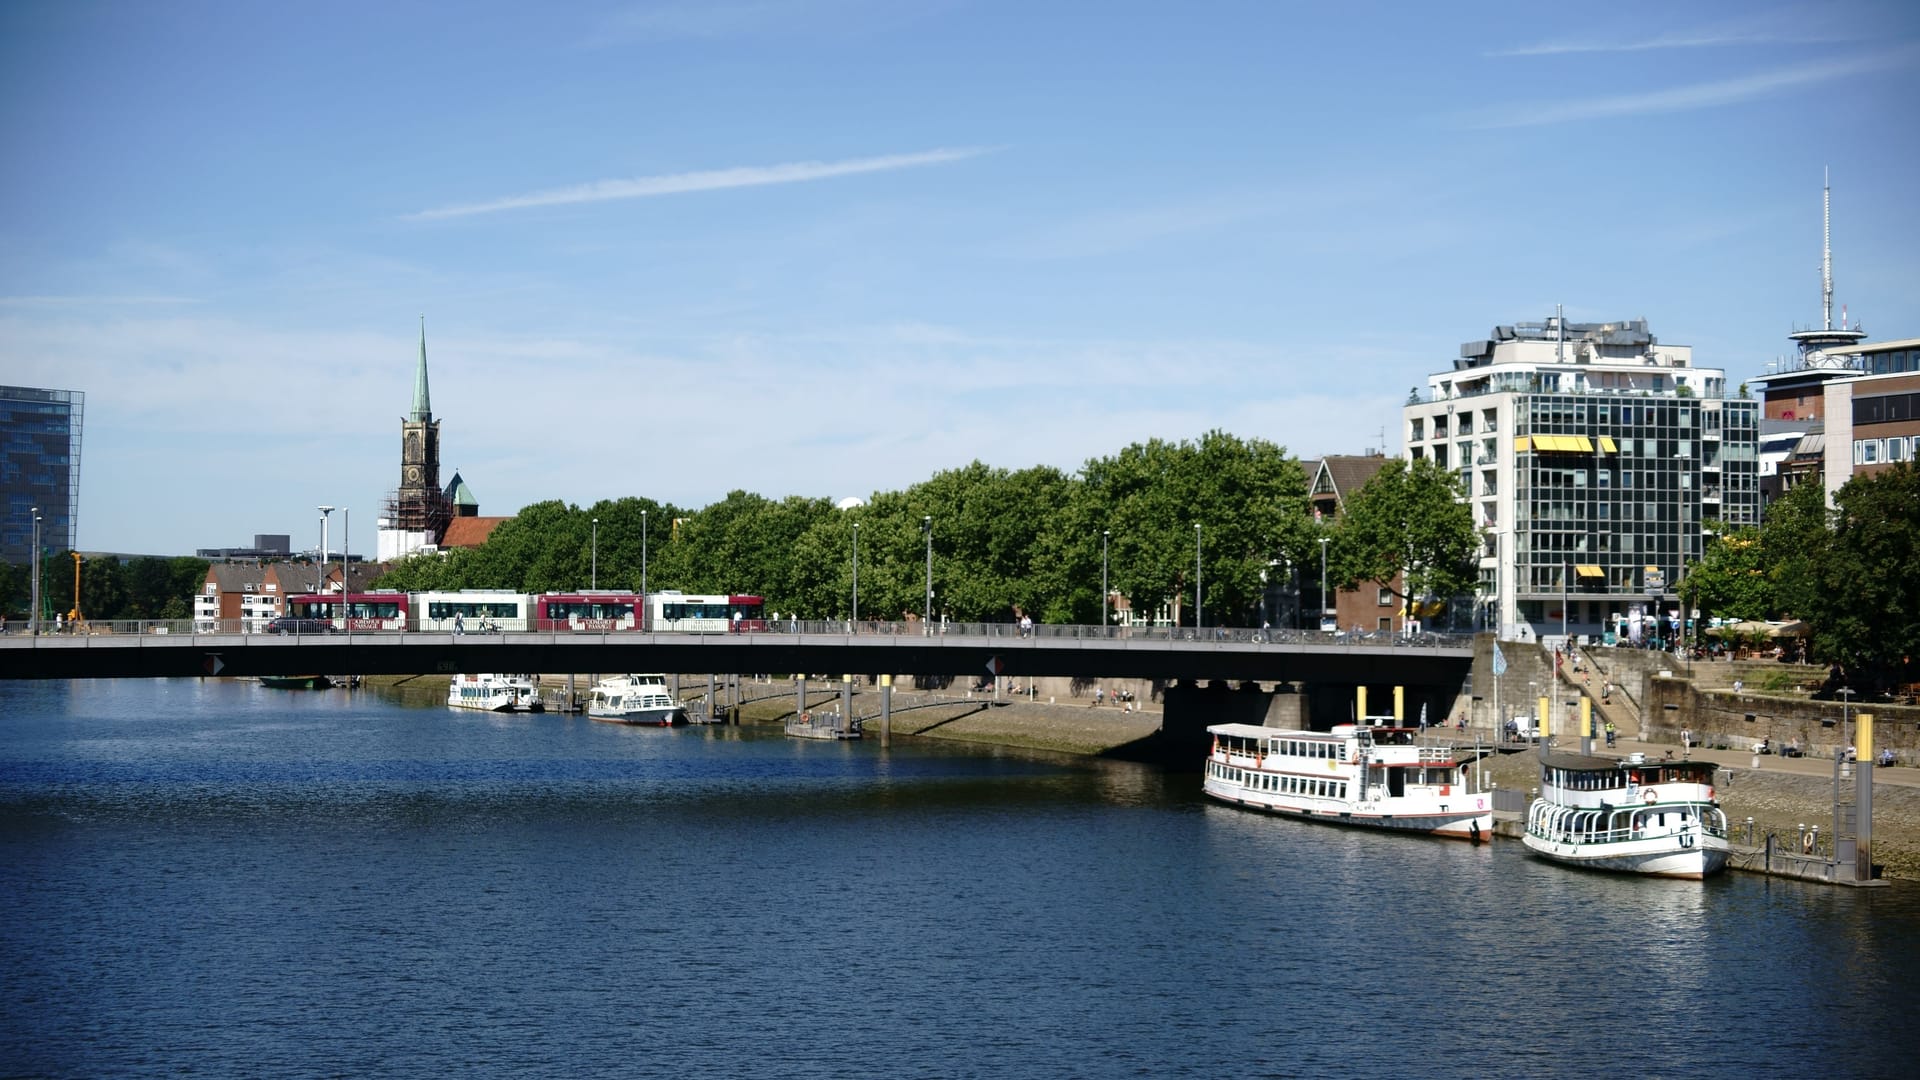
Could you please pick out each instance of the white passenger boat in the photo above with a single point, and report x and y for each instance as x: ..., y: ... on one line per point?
x: 1368, y: 775
x: 635, y: 699
x: 1654, y: 817
x: 495, y: 693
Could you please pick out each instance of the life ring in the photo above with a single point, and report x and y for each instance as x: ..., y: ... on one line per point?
x: 1686, y: 839
x: 1651, y: 797
x: 1479, y: 804
x: 1806, y: 842
x: 806, y: 718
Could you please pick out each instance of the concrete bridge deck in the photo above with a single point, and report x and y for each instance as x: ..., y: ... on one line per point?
x: 868, y: 648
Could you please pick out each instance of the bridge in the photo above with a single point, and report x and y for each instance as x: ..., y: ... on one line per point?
x: 160, y: 650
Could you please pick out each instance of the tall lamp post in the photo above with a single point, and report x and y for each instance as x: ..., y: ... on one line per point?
x: 856, y: 575
x: 1323, y: 581
x: 1105, y: 593
x: 1197, y: 609
x: 1566, y: 601
x: 321, y: 585
x: 926, y: 526
x: 33, y: 617
x: 594, y: 568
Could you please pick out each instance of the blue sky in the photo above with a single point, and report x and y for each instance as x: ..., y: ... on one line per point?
x: 829, y: 247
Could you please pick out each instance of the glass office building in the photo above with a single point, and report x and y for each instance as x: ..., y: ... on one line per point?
x: 1597, y: 462
x: 39, y: 469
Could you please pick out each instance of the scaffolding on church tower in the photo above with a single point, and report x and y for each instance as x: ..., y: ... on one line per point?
x: 429, y: 512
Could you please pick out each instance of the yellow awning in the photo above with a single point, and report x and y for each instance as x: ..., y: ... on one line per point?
x: 1522, y: 444
x: 1606, y: 445
x: 1587, y: 570
x: 1565, y: 444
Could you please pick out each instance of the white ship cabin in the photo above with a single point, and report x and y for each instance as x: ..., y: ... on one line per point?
x: 1579, y: 780
x: 1599, y: 799
x: 1330, y: 762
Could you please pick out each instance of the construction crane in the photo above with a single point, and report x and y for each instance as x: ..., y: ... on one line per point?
x: 74, y: 620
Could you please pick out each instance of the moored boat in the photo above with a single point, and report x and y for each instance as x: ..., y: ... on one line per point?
x: 822, y: 725
x: 296, y: 682
x: 635, y: 699
x: 1357, y: 774
x: 1637, y: 817
x: 495, y: 693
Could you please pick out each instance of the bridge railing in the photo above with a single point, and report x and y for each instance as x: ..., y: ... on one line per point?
x: 1012, y: 633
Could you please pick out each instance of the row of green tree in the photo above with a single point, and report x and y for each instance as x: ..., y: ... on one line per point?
x: 1147, y: 520
x: 1850, y: 572
x: 143, y: 588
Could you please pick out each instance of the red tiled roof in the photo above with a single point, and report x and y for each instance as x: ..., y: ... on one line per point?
x: 470, y: 532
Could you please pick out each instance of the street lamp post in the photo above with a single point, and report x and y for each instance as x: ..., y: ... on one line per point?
x: 1105, y: 593
x: 926, y: 526
x: 856, y: 575
x: 593, y: 579
x: 1566, y: 601
x: 33, y: 617
x: 1323, y: 580
x: 1197, y: 609
x: 321, y: 585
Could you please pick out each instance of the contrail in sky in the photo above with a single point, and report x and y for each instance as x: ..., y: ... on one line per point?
x: 639, y: 187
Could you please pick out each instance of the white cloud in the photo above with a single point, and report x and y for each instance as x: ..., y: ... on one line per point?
x: 1700, y: 39
x: 281, y: 421
x: 709, y: 180
x: 1683, y: 98
x: 103, y: 301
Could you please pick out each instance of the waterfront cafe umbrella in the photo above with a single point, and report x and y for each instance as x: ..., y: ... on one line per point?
x: 1793, y: 628
x: 1744, y: 628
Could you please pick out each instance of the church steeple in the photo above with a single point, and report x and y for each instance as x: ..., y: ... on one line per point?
x: 422, y: 406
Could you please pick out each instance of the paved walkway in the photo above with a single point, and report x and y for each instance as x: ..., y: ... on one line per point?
x: 1902, y: 775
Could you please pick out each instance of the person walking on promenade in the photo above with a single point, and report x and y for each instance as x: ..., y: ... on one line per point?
x: 1686, y: 742
x: 1610, y: 733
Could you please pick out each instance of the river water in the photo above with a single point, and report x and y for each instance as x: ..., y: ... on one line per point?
x: 215, y: 878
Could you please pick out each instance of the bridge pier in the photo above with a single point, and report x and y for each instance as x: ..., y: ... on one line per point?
x: 886, y: 711
x: 799, y: 695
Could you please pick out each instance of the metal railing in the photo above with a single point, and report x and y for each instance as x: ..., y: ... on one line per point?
x: 1038, y: 633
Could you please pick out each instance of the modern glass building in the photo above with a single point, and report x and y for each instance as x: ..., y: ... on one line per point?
x: 39, y: 469
x: 1597, y: 462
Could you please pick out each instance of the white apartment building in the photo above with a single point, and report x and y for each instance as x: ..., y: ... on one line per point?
x: 1597, y: 461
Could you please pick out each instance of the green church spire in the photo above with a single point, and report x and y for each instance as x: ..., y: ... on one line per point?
x: 422, y: 407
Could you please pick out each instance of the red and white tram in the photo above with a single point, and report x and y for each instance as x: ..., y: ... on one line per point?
x: 379, y: 610
x: 472, y: 611
x: 591, y: 611
x: 676, y: 612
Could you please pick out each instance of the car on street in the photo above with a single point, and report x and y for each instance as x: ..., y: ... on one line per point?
x: 294, y: 624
